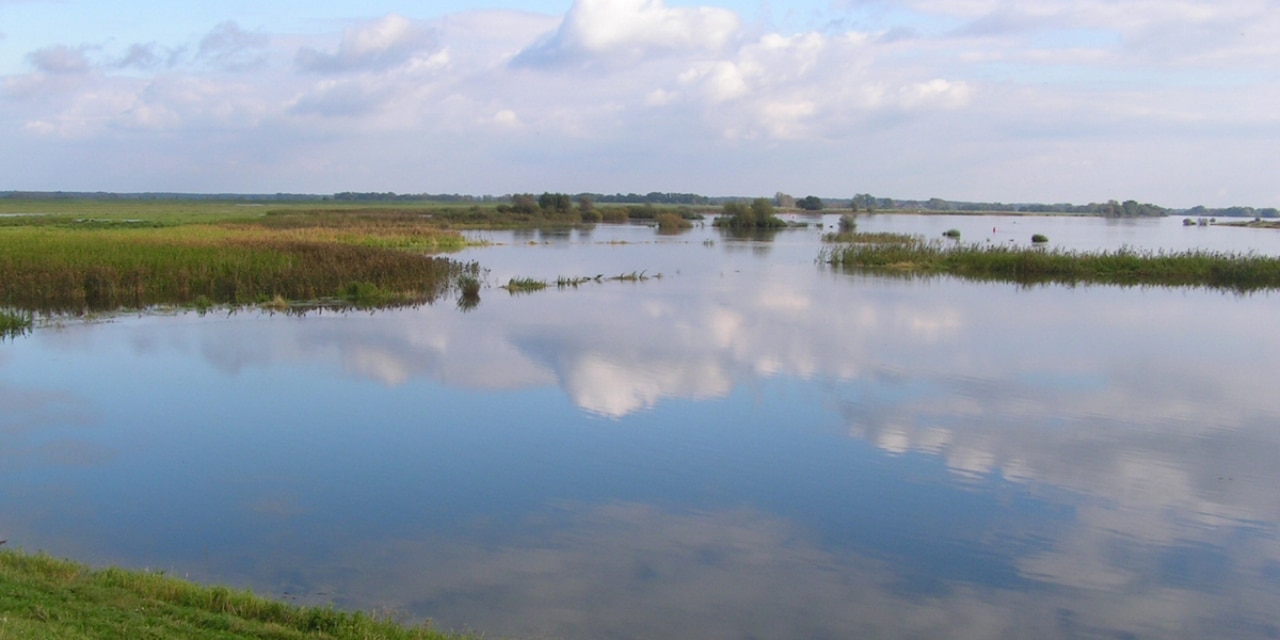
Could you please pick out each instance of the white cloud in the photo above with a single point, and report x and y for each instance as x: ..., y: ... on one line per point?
x: 632, y: 30
x: 378, y: 46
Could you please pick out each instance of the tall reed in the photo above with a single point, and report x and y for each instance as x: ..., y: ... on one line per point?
x: 59, y: 270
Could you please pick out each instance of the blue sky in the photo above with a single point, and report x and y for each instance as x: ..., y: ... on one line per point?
x: 1169, y: 101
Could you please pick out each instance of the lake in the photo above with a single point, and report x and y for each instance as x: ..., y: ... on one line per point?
x: 742, y: 444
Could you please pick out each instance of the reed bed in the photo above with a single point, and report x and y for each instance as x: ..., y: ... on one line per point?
x: 869, y: 237
x: 72, y: 271
x: 1125, y: 266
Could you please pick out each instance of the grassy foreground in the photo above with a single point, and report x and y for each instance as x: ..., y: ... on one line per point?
x: 1230, y: 271
x: 42, y: 598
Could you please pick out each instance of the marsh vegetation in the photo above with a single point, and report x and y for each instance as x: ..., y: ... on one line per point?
x: 1233, y: 271
x: 75, y: 271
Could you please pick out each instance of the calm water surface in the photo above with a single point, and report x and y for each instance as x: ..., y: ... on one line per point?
x: 748, y: 446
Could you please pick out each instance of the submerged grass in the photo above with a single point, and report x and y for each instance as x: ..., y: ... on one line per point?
x: 47, y: 598
x: 526, y: 285
x: 1232, y: 271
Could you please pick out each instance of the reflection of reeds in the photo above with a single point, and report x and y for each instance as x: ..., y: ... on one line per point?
x: 1241, y: 272
x: 14, y: 323
x: 73, y: 270
x: 62, y: 599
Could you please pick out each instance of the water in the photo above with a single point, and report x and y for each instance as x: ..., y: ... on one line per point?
x: 748, y: 446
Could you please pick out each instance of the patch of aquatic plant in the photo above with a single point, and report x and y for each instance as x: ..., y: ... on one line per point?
x: 524, y: 285
x: 869, y: 237
x: 564, y: 281
x: 43, y: 597
x: 1039, y: 238
x: 14, y: 323
x: 468, y: 291
x: 73, y: 271
x: 1233, y: 271
x: 954, y: 234
x: 634, y: 276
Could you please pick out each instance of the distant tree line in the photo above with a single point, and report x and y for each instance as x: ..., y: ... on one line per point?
x: 859, y: 202
x: 653, y: 197
x: 390, y: 196
x: 1233, y: 212
x: 157, y: 195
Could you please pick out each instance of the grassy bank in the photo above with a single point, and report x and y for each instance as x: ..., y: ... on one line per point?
x: 1237, y: 272
x: 42, y: 598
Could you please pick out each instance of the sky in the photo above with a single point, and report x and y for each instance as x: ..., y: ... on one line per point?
x: 1172, y: 102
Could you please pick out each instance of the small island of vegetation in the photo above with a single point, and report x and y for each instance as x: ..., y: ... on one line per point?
x: 757, y: 215
x: 1036, y: 264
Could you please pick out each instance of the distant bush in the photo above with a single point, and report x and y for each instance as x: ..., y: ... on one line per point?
x: 613, y: 214
x: 672, y: 223
x: 954, y: 234
x: 758, y: 215
x: 1039, y: 238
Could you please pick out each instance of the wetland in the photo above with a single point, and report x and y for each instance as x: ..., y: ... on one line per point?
x: 755, y: 444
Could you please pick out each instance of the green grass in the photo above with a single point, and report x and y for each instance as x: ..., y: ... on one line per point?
x: 1230, y: 271
x: 43, y: 598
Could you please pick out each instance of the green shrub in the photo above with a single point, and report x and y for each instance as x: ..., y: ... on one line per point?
x: 672, y: 223
x: 758, y: 215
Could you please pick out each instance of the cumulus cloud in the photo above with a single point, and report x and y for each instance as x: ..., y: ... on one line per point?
x: 378, y: 46
x: 631, y: 30
x: 664, y: 77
